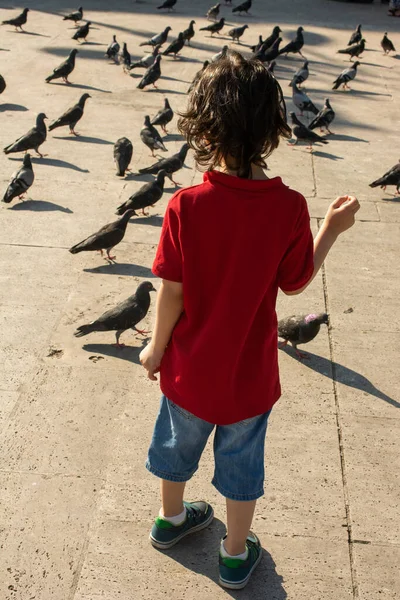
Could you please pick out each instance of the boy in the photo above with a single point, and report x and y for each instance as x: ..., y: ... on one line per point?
x: 226, y: 247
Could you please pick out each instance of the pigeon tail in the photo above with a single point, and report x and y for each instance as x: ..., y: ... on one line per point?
x: 85, y: 329
x: 77, y: 248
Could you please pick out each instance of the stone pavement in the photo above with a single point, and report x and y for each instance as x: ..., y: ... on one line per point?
x: 76, y: 415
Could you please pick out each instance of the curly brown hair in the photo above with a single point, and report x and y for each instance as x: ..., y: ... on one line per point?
x: 236, y: 113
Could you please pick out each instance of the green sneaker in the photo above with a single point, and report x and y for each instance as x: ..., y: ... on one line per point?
x: 235, y: 573
x: 164, y: 535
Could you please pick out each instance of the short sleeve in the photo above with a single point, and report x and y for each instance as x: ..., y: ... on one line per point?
x: 168, y: 261
x: 297, y: 265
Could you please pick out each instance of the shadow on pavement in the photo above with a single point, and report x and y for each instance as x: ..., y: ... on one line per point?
x: 41, y: 206
x: 327, y: 155
x: 13, y: 107
x: 154, y: 220
x: 84, y: 138
x: 128, y: 269
x: 129, y: 353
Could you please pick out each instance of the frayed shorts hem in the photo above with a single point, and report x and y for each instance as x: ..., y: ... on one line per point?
x: 238, y: 497
x: 168, y: 476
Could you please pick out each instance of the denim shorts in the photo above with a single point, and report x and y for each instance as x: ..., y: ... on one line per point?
x: 180, y: 437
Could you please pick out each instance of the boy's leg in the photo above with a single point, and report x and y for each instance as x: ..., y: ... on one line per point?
x: 172, y: 497
x: 239, y: 518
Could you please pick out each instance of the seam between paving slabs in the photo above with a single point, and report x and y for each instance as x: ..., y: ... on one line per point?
x: 346, y: 495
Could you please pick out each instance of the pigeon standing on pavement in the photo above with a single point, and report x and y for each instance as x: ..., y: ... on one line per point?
x: 123, y: 150
x: 237, y: 32
x: 324, y: 118
x: 198, y: 75
x: 221, y: 54
x: 113, y: 50
x: 31, y: 140
x: 82, y: 32
x: 152, y: 74
x: 157, y: 40
x: 346, y: 76
x: 146, y: 196
x: 267, y: 54
x: 164, y: 116
x: 150, y: 137
x: 354, y: 50
x: 175, y: 46
x: 75, y: 16
x: 2, y: 84
x: 271, y: 66
x: 169, y: 165
x: 257, y: 46
x: 17, y: 22
x: 125, y: 58
x: 303, y: 133
x: 391, y: 177
x: 301, y: 75
x: 273, y: 37
x: 65, y: 69
x: 106, y: 238
x: 213, y: 12
x: 244, y: 7
x: 355, y: 36
x: 295, y: 45
x: 147, y: 60
x: 302, y: 101
x: 21, y: 181
x: 71, y: 116
x: 214, y: 27
x: 188, y: 33
x: 387, y: 44
x: 125, y: 315
x: 301, y: 329
x: 169, y: 4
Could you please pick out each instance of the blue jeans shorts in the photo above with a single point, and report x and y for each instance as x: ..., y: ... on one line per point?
x: 180, y: 437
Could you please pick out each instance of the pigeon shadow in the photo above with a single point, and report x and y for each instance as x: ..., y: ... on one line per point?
x: 129, y: 353
x: 393, y: 198
x: 55, y: 162
x: 154, y: 220
x: 365, y: 93
x: 115, y: 268
x: 342, y: 374
x: 82, y: 86
x: 13, y: 107
x: 93, y: 43
x: 327, y: 155
x: 146, y: 177
x: 84, y: 138
x: 171, y: 137
x: 40, y: 206
x: 164, y: 91
x: 31, y: 33
x: 342, y: 137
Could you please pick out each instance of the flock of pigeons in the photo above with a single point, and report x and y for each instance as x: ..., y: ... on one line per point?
x: 296, y: 329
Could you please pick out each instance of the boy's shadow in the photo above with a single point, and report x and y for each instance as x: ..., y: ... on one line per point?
x: 200, y: 554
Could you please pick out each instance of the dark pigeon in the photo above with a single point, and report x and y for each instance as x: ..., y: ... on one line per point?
x: 147, y: 60
x: 244, y: 7
x: 169, y: 165
x: 169, y: 4
x: 152, y: 74
x: 125, y: 58
x: 355, y: 36
x: 148, y: 195
x: 82, y: 32
x: 387, y: 45
x: 106, y: 238
x: 159, y: 39
x: 123, y: 150
x: 301, y: 329
x: 65, y: 69
x: 113, y: 50
x: 346, y: 76
x: 71, y: 116
x: 391, y: 177
x: 267, y: 54
x: 150, y: 137
x: 295, y: 45
x: 21, y: 181
x: 2, y: 84
x: 237, y: 32
x: 271, y: 66
x: 175, y: 46
x: 302, y: 101
x: 198, y: 75
x: 303, y: 133
x: 324, y: 118
x: 75, y: 16
x: 213, y: 12
x: 188, y: 33
x: 301, y: 75
x: 125, y: 315
x: 17, y: 22
x: 354, y: 50
x: 164, y: 116
x: 257, y: 46
x: 214, y: 27
x: 31, y: 140
x: 273, y: 37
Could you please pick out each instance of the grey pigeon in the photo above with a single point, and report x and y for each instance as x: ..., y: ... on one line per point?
x: 346, y: 76
x: 146, y: 196
x: 213, y: 12
x: 31, y: 140
x: 175, y: 46
x: 152, y: 74
x: 125, y: 315
x: 237, y: 32
x: 2, y: 84
x: 295, y: 45
x: 302, y: 101
x: 21, y: 181
x: 75, y: 16
x: 244, y: 7
x: 150, y: 137
x: 169, y: 4
x: 82, y: 32
x: 65, y: 69
x: 125, y: 58
x: 106, y: 238
x: 164, y: 116
x: 198, y: 75
x: 159, y: 39
x: 147, y: 60
x: 188, y: 33
x: 324, y: 118
x: 71, y: 116
x: 17, y: 22
x: 354, y: 50
x: 123, y: 150
x: 214, y: 27
x: 387, y: 44
x: 355, y: 36
x: 267, y: 54
x: 301, y: 329
x: 391, y: 177
x: 301, y: 75
x: 303, y: 133
x: 113, y: 49
x: 169, y: 165
x: 220, y: 54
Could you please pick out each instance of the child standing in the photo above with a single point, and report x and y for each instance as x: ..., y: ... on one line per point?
x: 226, y: 247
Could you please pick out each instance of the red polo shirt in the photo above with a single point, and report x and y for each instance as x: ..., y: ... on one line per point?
x: 232, y: 243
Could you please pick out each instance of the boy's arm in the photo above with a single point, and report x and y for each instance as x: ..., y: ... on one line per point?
x: 339, y: 218
x: 169, y: 307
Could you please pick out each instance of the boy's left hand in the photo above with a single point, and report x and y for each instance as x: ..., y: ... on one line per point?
x: 150, y: 359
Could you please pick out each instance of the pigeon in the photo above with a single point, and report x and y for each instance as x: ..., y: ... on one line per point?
x: 355, y: 36
x: 75, y: 16
x: 189, y: 32
x: 198, y: 75
x: 168, y: 4
x: 82, y: 32
x: 237, y: 32
x: 164, y: 116
x: 170, y: 165
x: 271, y: 66
x: 122, y: 155
x: 150, y: 137
x: 65, y: 69
x: 176, y: 46
x: 147, y: 60
x: 295, y: 45
x: 301, y: 329
x: 387, y: 44
x: 213, y: 12
x: 2, y: 84
x: 354, y: 50
x: 346, y: 76
x: 244, y: 7
x: 17, y: 22
x: 159, y: 39
x: 324, y: 118
x: 152, y: 74
x: 391, y: 177
x: 257, y: 46
x: 301, y: 75
x: 105, y: 238
x: 71, y: 116
x: 303, y: 133
x: 302, y: 101
x: 31, y: 140
x: 273, y: 37
x: 146, y: 196
x: 214, y: 27
x: 125, y: 315
x: 21, y: 181
x: 113, y: 50
x: 267, y: 54
x: 219, y: 55
x: 125, y: 58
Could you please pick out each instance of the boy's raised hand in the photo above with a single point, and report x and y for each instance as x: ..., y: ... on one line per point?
x: 341, y: 214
